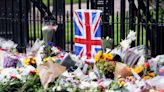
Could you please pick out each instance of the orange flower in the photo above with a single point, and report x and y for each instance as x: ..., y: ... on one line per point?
x: 152, y: 74
x: 146, y: 65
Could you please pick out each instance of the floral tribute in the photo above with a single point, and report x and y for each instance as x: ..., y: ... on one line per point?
x: 46, y: 68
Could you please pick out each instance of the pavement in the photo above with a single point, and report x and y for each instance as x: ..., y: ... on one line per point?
x: 117, y: 6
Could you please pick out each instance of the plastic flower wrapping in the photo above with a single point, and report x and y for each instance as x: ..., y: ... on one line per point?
x: 44, y: 67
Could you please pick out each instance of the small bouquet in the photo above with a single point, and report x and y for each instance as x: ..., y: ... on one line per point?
x: 107, y: 43
x: 105, y: 63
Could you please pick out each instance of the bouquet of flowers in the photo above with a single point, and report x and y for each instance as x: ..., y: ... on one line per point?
x: 105, y: 63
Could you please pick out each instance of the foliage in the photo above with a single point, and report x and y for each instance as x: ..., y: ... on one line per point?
x: 32, y: 84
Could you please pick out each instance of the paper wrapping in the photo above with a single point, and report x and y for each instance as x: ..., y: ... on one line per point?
x: 122, y: 70
x: 49, y: 71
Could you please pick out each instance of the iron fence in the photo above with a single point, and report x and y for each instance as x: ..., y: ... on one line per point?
x: 22, y: 21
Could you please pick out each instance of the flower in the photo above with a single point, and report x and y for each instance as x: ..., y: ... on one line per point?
x: 138, y: 69
x: 146, y: 77
x: 108, y: 56
x: 13, y: 77
x: 131, y: 35
x: 98, y: 56
x: 125, y: 43
x: 46, y: 59
x: 30, y: 61
x: 33, y: 72
x: 146, y: 65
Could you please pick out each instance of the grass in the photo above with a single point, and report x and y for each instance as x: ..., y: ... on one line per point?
x: 116, y: 32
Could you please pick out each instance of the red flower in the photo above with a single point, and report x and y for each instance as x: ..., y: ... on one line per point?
x: 32, y: 72
x: 146, y: 65
x: 13, y: 77
x: 101, y: 87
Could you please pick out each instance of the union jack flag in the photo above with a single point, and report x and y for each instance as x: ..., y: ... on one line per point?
x: 87, y: 33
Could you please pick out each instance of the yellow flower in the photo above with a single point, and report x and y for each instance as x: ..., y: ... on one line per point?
x: 46, y: 59
x: 98, y: 56
x: 108, y: 56
x: 122, y: 83
x: 27, y: 61
x: 138, y: 69
x: 146, y: 77
x: 152, y: 74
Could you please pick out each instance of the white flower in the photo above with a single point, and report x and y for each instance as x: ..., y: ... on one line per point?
x: 125, y: 43
x: 69, y: 89
x: 58, y: 88
x: 27, y: 70
x: 132, y: 35
x: 53, y: 89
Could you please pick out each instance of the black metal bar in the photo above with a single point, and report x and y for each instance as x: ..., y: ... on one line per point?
x: 138, y: 30
x: 34, y: 25
x: 131, y: 18
x: 87, y: 4
x: 105, y: 32
x: 5, y: 18
x: 37, y: 25
x: 122, y: 14
x: 112, y: 27
x: 152, y: 40
x: 48, y: 5
x: 67, y: 30
x: 79, y: 4
x: 64, y: 41
x: 26, y: 19
x: 117, y: 28
x: 161, y: 35
x: 157, y: 35
x: 142, y: 25
x: 12, y: 6
x: 20, y: 21
x: 56, y: 14
x: 41, y: 21
x: 71, y: 12
x: 30, y: 26
x: 147, y: 20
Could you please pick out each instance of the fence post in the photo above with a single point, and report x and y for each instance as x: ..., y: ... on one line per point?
x: 158, y: 50
x: 60, y: 15
x: 112, y: 27
x: 147, y: 20
x: 79, y: 4
x: 122, y: 25
x: 71, y: 13
x: 87, y: 4
x: 131, y: 18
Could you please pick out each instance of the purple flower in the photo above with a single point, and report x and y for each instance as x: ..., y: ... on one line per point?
x: 10, y: 62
